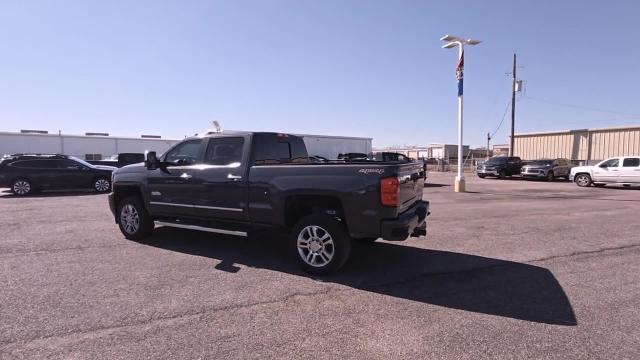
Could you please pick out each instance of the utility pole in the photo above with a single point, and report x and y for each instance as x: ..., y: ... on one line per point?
x: 513, y: 107
x: 488, y: 139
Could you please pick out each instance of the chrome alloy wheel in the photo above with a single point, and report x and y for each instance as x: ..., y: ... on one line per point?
x: 583, y: 180
x: 101, y: 185
x: 21, y: 187
x: 129, y: 219
x: 315, y: 246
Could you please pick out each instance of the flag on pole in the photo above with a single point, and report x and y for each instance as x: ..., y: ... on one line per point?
x: 460, y: 73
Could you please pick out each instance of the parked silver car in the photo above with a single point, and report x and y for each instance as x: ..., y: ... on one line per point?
x: 547, y: 169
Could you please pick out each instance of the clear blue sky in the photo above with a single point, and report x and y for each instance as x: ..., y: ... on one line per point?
x: 361, y: 68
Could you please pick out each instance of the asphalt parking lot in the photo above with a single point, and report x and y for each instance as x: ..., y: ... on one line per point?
x: 511, y: 269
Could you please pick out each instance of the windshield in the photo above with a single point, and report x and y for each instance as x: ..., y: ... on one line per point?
x: 81, y: 161
x: 541, y: 162
x: 493, y: 161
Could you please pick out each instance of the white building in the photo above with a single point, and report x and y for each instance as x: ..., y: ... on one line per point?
x: 89, y: 146
x: 98, y: 146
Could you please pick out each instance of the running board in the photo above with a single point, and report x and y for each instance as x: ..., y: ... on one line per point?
x: 201, y: 228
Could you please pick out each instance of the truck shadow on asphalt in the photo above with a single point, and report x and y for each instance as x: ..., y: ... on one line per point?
x: 452, y: 280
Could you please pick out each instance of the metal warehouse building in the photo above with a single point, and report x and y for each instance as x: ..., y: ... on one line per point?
x: 583, y: 145
x: 90, y: 146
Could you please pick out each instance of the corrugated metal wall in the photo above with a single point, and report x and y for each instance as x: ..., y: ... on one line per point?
x: 533, y: 147
x: 623, y: 142
x: 582, y: 145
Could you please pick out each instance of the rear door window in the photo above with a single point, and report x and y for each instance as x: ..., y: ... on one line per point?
x: 278, y: 149
x: 224, y: 151
x: 631, y: 162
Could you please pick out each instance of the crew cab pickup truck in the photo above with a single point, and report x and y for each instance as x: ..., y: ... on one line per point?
x: 235, y: 182
x: 617, y: 170
x: 500, y: 167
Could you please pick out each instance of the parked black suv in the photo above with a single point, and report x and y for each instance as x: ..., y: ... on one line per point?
x: 235, y: 182
x: 500, y: 166
x: 547, y: 169
x: 26, y: 173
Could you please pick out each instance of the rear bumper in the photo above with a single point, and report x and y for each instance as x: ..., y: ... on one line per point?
x: 410, y: 223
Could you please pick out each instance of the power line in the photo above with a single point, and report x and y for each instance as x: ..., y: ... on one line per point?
x: 506, y: 109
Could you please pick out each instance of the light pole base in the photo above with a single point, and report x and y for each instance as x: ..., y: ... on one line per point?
x: 459, y: 185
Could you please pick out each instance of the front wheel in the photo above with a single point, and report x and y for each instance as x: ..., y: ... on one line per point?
x: 583, y: 180
x: 550, y: 176
x: 320, y: 244
x: 502, y: 174
x: 133, y: 219
x: 482, y: 176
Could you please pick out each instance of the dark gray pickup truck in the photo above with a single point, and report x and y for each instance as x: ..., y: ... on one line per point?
x: 236, y: 182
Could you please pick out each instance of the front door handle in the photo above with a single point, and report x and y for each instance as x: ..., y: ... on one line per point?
x: 185, y: 176
x: 234, y: 177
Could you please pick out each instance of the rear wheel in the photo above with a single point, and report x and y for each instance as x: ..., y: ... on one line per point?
x: 101, y: 185
x: 21, y: 187
x: 133, y: 219
x: 583, y: 180
x: 320, y: 244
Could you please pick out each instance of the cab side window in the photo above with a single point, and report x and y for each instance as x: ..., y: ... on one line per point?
x: 610, y: 163
x: 185, y: 153
x: 224, y: 151
x: 631, y: 162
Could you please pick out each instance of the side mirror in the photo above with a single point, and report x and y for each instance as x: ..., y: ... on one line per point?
x: 151, y: 160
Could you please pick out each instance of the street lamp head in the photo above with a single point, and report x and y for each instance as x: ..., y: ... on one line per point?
x: 449, y: 38
x: 454, y: 40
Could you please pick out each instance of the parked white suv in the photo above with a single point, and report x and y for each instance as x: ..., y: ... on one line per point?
x: 618, y: 170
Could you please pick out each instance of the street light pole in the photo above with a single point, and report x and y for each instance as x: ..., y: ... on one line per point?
x: 453, y: 41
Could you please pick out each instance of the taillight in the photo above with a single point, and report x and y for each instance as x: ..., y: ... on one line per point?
x: 389, y: 188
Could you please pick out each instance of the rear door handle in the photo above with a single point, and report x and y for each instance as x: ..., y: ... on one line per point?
x: 234, y: 177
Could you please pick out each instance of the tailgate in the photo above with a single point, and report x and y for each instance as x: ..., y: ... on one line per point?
x: 411, y: 184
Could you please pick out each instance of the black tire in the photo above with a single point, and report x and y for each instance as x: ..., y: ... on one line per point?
x: 317, y: 256
x: 22, y: 187
x: 502, y: 174
x: 550, y: 176
x: 101, y: 184
x: 127, y: 221
x: 482, y: 176
x: 583, y: 180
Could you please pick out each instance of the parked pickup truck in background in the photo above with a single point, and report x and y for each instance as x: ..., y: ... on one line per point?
x: 618, y: 170
x: 500, y: 167
x: 233, y: 183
